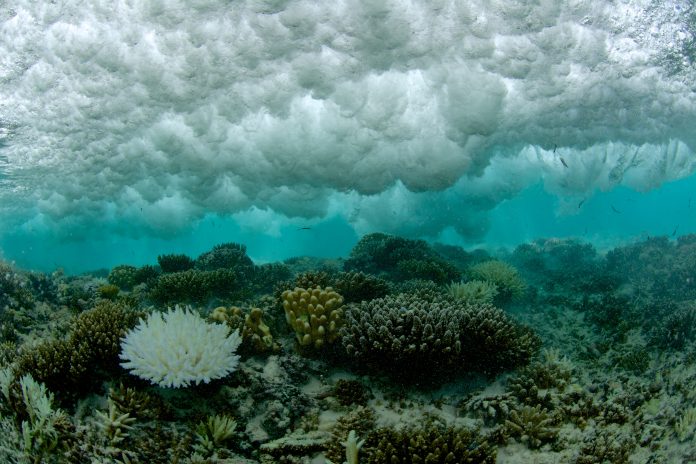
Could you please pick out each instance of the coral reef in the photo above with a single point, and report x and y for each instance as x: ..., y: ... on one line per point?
x: 76, y: 364
x: 532, y: 425
x: 473, y: 292
x: 409, y: 337
x: 256, y: 336
x: 175, y: 263
x: 194, y: 286
x: 179, y: 348
x: 123, y: 276
x: 358, y: 286
x: 224, y: 256
x: 433, y: 443
x: 506, y: 278
x: 315, y: 315
x: 399, y: 259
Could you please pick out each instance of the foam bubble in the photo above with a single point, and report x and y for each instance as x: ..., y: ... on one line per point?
x: 157, y: 113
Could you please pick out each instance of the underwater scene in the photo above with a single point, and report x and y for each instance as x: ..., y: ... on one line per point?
x: 348, y: 232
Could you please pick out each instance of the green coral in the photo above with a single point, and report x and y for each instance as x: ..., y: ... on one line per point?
x: 213, y: 433
x: 194, y: 286
x: 358, y: 286
x: 399, y: 259
x: 77, y: 363
x: 224, y: 256
x: 115, y: 423
x: 123, y: 276
x: 175, y: 263
x: 505, y: 277
x: 413, y: 337
x: 256, y: 335
x: 473, y: 292
x: 532, y: 425
x: 433, y: 443
x: 108, y: 291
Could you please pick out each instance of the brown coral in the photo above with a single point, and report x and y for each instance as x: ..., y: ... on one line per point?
x: 315, y: 315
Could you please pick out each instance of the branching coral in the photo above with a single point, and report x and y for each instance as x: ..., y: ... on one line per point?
x: 433, y: 443
x: 256, y: 336
x: 532, y: 425
x: 178, y: 348
x: 409, y: 336
x: 505, y: 277
x: 315, y: 315
x: 473, y: 292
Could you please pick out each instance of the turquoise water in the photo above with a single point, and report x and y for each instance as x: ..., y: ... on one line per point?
x: 492, y: 205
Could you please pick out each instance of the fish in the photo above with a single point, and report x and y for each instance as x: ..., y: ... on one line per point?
x: 615, y: 210
x: 581, y: 203
x: 563, y: 161
x: 674, y: 232
x: 304, y: 228
x: 554, y: 147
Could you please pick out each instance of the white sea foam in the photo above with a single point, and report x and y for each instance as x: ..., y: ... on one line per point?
x: 153, y: 113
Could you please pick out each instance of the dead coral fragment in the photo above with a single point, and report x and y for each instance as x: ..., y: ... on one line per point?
x: 315, y: 315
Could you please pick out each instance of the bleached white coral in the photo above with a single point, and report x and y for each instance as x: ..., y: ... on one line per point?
x: 178, y: 347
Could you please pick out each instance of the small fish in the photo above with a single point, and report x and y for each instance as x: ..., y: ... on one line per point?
x: 554, y: 147
x: 615, y: 210
x: 582, y: 202
x: 304, y: 228
x: 674, y: 232
x: 563, y: 161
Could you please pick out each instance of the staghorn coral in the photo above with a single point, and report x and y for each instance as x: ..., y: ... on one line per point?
x: 358, y: 286
x: 492, y: 409
x: 146, y: 274
x: 134, y: 402
x: 531, y: 425
x: 685, y: 426
x: 606, y: 445
x: 433, y: 443
x: 315, y: 315
x: 44, y: 428
x: 505, y: 277
x: 76, y: 364
x: 115, y: 423
x: 409, y: 337
x: 265, y: 277
x: 213, y: 433
x: 194, y: 286
x: 175, y: 263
